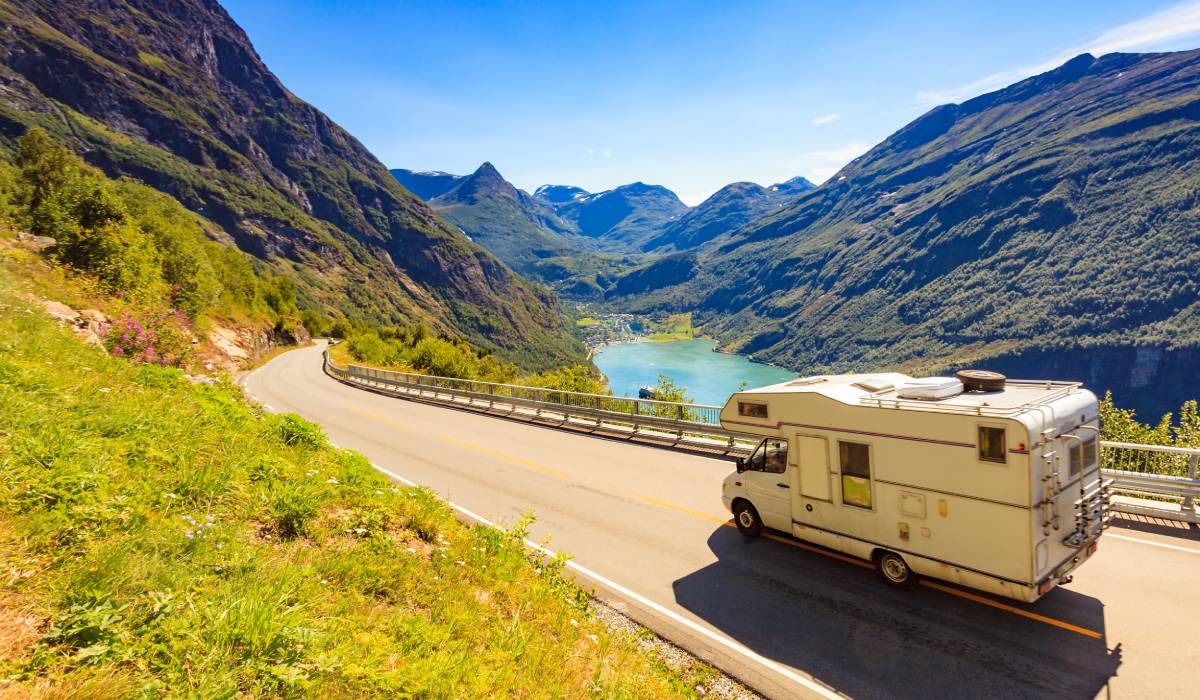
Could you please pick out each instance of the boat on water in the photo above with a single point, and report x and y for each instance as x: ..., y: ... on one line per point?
x: 647, y: 392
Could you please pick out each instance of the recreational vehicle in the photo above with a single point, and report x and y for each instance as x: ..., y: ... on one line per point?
x: 978, y: 480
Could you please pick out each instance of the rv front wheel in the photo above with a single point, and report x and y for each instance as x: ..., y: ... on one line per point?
x: 747, y: 520
x: 894, y: 569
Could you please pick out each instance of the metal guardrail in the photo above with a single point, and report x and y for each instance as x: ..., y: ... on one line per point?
x: 695, y: 426
x: 1165, y: 474
x: 1153, y: 470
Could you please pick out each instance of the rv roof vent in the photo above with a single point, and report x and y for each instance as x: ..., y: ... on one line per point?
x: 873, y: 385
x: 805, y: 381
x: 930, y: 388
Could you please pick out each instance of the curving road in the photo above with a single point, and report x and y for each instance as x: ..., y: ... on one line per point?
x: 771, y: 611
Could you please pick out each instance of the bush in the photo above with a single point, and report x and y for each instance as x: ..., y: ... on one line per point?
x: 440, y: 357
x: 293, y: 506
x: 295, y: 431
x: 137, y: 241
x: 158, y: 337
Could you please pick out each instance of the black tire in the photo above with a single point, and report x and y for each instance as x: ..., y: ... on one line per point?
x: 747, y: 519
x: 894, y: 570
x: 981, y: 380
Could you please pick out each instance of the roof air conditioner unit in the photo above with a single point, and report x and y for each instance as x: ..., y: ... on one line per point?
x: 930, y: 388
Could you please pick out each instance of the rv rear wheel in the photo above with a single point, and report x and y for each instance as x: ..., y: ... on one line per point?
x: 894, y: 569
x: 747, y: 519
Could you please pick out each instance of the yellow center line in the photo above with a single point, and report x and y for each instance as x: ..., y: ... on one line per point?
x: 965, y: 595
x: 463, y: 443
x: 378, y: 417
x: 502, y: 455
x: 681, y: 509
x: 982, y: 600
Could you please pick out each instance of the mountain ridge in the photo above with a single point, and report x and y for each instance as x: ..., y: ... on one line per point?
x: 1018, y: 224
x: 179, y: 98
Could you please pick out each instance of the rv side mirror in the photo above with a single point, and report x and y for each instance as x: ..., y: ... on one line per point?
x: 741, y: 464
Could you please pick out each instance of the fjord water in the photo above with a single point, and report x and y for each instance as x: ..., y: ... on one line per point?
x: 710, y: 377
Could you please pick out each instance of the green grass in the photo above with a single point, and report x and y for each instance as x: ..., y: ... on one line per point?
x: 587, y: 321
x: 676, y: 327
x: 163, y: 538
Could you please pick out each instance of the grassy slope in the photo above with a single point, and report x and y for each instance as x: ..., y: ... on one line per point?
x: 317, y: 576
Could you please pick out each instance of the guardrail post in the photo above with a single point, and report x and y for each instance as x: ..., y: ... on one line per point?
x: 1189, y: 502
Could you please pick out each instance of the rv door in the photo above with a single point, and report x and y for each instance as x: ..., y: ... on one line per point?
x: 811, y: 481
x: 767, y: 483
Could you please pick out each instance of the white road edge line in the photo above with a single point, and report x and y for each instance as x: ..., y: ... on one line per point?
x: 614, y: 586
x: 1164, y: 545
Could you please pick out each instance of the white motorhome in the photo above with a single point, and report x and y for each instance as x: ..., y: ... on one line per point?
x: 984, y: 482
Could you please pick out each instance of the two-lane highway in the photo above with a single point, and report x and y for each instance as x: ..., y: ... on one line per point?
x: 651, y: 520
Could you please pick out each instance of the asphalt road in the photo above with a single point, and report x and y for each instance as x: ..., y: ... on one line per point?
x: 651, y: 521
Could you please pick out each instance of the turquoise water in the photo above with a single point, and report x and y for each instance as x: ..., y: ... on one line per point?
x: 710, y: 377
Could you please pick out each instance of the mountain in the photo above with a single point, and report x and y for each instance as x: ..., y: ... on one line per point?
x: 426, y: 184
x: 523, y: 232
x: 623, y: 218
x: 558, y: 194
x: 793, y: 188
x: 728, y: 209
x: 1051, y: 228
x: 175, y: 95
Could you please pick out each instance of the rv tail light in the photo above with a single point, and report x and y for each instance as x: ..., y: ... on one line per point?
x: 1045, y: 587
x: 1093, y: 548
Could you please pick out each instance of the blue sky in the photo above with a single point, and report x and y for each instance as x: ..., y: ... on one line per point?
x: 692, y: 96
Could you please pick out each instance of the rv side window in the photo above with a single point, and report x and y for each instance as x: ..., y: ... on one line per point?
x: 755, y: 463
x: 776, y: 462
x: 1089, y: 452
x: 992, y: 444
x: 752, y: 410
x: 856, y: 473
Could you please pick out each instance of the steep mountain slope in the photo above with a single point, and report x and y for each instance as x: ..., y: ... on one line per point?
x: 623, y: 218
x: 523, y: 232
x: 728, y: 209
x: 176, y: 96
x: 426, y: 184
x: 1050, y: 228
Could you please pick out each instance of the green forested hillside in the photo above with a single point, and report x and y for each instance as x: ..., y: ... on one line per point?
x: 175, y: 95
x: 728, y: 209
x: 1051, y: 228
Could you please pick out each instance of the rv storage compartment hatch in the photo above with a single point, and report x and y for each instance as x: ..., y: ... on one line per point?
x: 930, y: 388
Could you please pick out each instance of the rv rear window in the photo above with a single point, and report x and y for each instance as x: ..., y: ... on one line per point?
x: 752, y: 410
x: 992, y: 445
x: 856, y: 473
x: 1083, y: 455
